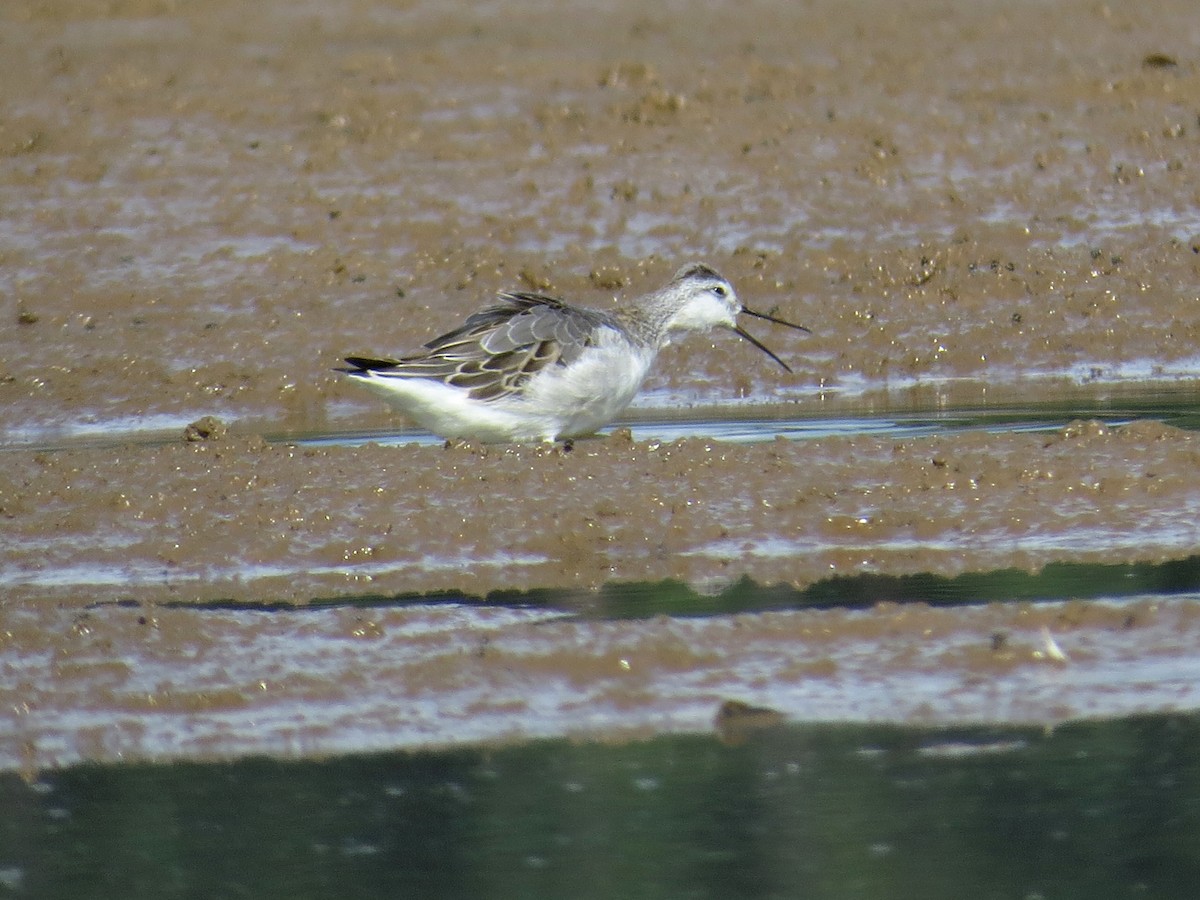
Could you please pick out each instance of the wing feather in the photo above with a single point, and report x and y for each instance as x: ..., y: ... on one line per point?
x: 496, y: 350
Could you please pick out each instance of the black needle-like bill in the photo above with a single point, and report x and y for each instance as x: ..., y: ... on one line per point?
x: 759, y: 344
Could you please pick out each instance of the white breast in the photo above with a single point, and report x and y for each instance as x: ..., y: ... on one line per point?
x: 588, y: 394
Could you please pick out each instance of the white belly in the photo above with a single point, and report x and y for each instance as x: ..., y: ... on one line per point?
x: 591, y: 392
x: 559, y: 402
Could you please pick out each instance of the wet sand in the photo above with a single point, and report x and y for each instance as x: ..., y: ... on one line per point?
x: 122, y: 684
x: 205, y: 211
x: 246, y: 521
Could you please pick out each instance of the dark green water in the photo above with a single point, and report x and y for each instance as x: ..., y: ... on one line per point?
x: 1091, y: 810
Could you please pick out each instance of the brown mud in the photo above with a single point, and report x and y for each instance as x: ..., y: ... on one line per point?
x: 203, y: 211
x: 243, y: 520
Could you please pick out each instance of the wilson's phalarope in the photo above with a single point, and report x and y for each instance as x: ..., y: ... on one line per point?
x: 533, y: 368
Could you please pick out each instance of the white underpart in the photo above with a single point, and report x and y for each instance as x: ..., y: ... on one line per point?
x: 559, y: 402
x: 569, y: 401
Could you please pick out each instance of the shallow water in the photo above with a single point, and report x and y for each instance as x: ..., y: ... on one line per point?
x: 1097, y: 809
x: 1178, y: 407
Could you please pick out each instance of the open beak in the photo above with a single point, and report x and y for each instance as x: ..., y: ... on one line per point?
x: 741, y: 332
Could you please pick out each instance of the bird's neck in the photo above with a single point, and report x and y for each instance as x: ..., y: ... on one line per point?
x: 649, y: 319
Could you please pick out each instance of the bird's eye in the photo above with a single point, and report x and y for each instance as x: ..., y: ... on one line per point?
x: 719, y: 290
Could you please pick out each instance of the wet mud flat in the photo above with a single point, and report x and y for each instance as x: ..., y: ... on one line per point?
x: 205, y: 210
x: 235, y: 596
x: 241, y: 520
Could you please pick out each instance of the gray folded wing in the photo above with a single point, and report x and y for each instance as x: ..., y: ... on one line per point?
x: 499, y: 348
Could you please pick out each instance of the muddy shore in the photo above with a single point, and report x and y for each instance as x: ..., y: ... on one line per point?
x: 242, y: 520
x: 205, y: 210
